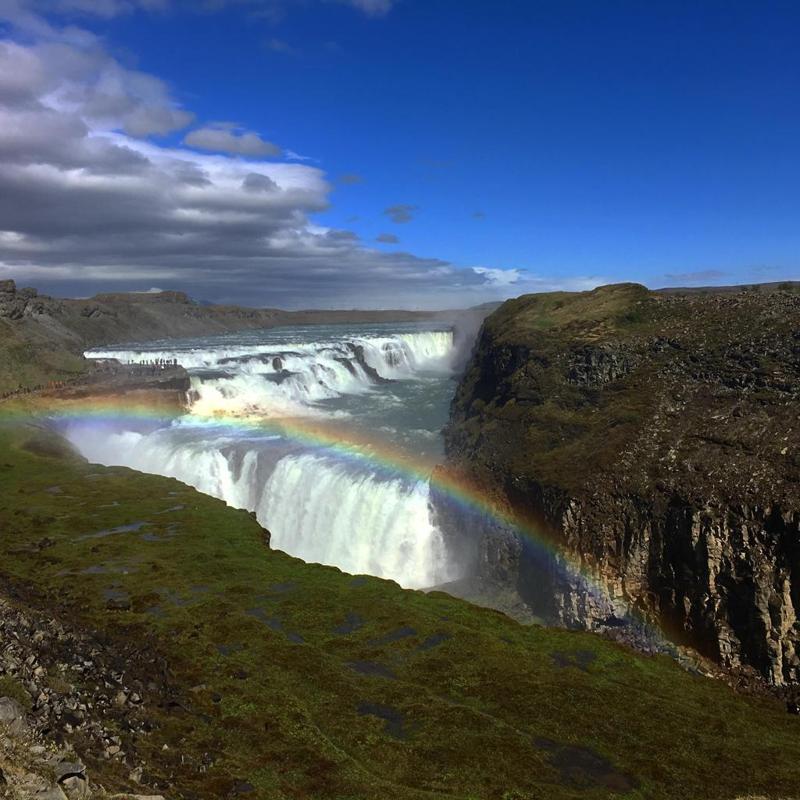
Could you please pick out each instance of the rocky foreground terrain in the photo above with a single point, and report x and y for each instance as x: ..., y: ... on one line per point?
x: 653, y: 439
x: 151, y: 643
x: 45, y: 719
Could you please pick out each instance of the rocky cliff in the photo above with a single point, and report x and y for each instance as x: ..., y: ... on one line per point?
x: 655, y: 439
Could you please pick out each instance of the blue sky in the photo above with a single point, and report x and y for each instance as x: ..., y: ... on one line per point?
x: 554, y: 144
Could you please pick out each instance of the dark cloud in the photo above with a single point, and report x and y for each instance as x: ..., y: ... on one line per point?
x: 400, y: 213
x: 387, y: 238
x: 226, y: 138
x: 255, y: 182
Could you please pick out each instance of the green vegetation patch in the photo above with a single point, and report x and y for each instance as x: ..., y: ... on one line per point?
x: 299, y: 681
x: 25, y: 364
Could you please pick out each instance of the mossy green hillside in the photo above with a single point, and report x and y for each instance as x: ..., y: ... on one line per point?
x: 28, y: 362
x: 561, y: 385
x: 300, y: 681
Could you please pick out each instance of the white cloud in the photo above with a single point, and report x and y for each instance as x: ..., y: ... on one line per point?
x: 498, y: 277
x: 375, y: 8
x: 89, y: 201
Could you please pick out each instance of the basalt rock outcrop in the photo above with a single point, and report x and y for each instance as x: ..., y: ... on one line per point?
x: 654, y: 440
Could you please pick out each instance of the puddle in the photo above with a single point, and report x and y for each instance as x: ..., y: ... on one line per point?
x: 583, y: 767
x: 117, y: 599
x: 395, y: 723
x: 434, y: 641
x: 372, y: 668
x: 103, y: 569
x: 394, y: 636
x: 100, y: 569
x: 229, y: 649
x: 170, y: 533
x: 132, y: 528
x: 174, y: 598
x: 275, y: 624
x: 352, y: 623
x: 579, y: 659
x: 281, y: 588
x: 171, y: 510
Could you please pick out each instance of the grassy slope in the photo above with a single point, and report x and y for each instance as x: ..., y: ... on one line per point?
x: 532, y: 421
x: 485, y: 713
x: 539, y: 424
x: 27, y: 363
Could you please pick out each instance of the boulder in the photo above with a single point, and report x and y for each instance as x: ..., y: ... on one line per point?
x: 12, y: 715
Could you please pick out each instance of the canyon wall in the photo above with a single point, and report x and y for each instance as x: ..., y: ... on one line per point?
x: 654, y: 440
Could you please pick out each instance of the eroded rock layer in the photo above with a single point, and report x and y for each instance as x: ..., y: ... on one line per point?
x: 654, y: 438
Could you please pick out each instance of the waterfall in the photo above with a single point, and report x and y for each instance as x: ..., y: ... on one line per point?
x: 307, y: 494
x: 349, y: 513
x: 287, y: 379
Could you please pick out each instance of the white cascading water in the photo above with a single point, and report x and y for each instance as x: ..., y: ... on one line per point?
x: 308, y: 495
x: 287, y: 380
x: 319, y: 507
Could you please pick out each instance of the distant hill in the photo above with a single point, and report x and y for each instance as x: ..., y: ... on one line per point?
x: 42, y: 338
x: 775, y: 286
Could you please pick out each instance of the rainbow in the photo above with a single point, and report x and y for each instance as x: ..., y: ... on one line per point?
x: 336, y: 440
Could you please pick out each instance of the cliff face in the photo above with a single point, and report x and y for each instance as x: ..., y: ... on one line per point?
x: 655, y: 439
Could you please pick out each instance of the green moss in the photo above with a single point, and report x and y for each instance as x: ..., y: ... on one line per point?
x: 11, y: 687
x: 26, y: 364
x: 271, y: 689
